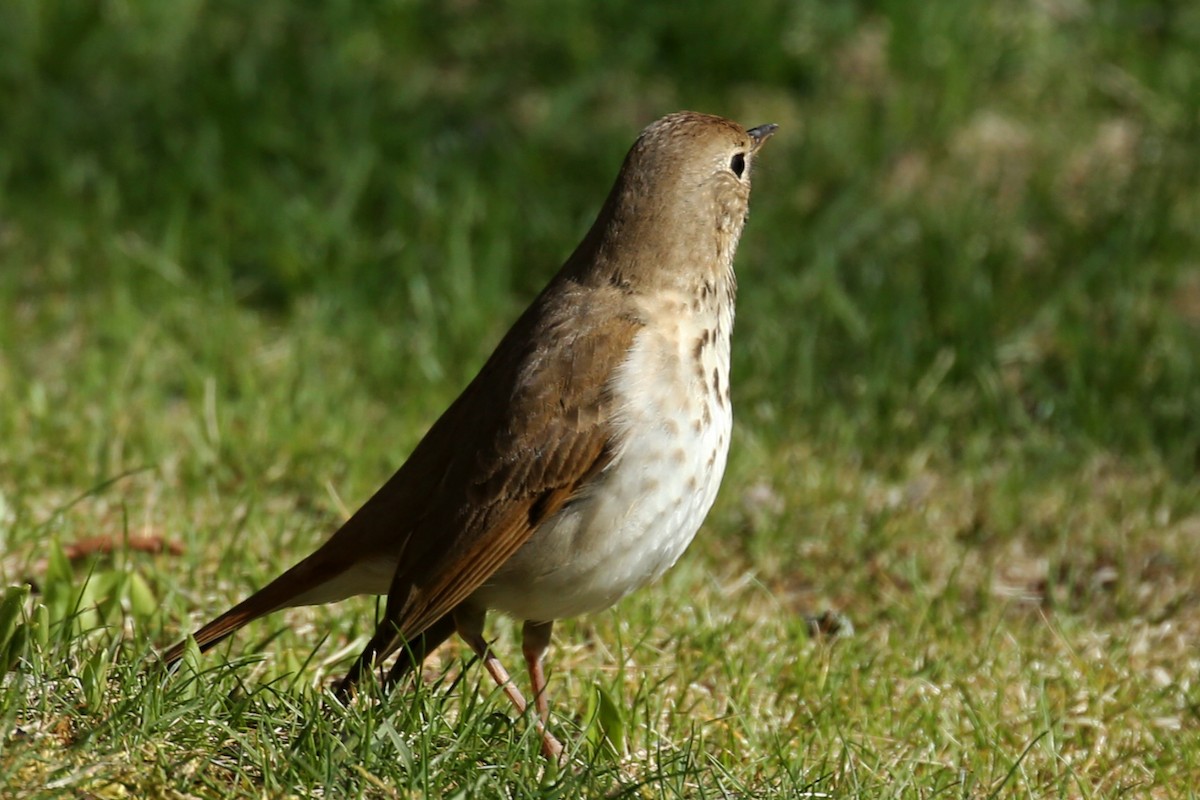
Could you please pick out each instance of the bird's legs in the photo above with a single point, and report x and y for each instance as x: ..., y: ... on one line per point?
x: 535, y: 639
x: 470, y: 628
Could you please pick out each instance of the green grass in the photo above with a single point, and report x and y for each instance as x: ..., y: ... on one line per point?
x: 248, y: 252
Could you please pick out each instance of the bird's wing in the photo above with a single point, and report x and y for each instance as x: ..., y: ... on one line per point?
x: 524, y: 437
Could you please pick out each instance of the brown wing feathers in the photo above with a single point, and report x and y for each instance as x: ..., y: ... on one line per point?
x: 476, y: 565
x: 522, y: 483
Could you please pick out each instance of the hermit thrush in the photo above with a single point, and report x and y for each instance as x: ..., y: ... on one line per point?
x: 581, y: 460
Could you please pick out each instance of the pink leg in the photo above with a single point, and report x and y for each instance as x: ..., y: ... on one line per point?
x: 470, y: 628
x: 535, y: 640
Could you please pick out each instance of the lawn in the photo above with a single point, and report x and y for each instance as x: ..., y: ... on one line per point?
x: 248, y: 252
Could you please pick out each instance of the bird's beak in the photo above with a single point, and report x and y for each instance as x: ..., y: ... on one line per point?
x: 761, y: 134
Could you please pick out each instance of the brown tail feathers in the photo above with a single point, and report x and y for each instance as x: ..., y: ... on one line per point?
x: 304, y: 583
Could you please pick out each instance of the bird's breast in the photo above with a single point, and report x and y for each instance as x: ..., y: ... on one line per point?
x: 671, y: 433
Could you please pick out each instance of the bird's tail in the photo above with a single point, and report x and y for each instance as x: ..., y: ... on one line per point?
x: 313, y: 580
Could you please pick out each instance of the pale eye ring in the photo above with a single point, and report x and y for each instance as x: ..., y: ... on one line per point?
x: 738, y: 164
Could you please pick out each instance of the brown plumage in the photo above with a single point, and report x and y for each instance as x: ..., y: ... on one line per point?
x: 579, y: 462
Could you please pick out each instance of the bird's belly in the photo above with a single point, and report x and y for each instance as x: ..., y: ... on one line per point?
x: 639, y: 515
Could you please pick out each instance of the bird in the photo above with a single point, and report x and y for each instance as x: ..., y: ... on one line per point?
x: 580, y: 462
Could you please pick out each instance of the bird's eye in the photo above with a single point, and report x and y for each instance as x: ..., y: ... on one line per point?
x: 738, y: 164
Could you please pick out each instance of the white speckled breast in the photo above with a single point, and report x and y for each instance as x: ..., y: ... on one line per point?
x: 641, y: 513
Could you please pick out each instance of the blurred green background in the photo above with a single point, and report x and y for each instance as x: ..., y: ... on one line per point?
x: 975, y: 215
x: 252, y: 250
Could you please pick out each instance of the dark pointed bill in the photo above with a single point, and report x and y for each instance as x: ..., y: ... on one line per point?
x: 761, y: 134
